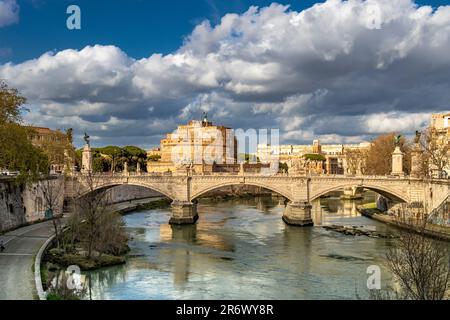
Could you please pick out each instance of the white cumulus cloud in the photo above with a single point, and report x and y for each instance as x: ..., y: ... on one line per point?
x: 340, y: 70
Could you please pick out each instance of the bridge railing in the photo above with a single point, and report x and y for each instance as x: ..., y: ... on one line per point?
x: 254, y: 174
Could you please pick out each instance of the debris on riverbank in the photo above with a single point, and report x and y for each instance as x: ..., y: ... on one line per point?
x: 343, y: 257
x: 359, y: 231
x: 433, y: 231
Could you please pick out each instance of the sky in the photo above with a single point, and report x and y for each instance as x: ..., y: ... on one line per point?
x: 340, y: 71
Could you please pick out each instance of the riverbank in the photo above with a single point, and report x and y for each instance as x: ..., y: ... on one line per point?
x: 141, y: 204
x: 432, y: 231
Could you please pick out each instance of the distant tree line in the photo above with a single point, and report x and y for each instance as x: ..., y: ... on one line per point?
x: 113, y: 158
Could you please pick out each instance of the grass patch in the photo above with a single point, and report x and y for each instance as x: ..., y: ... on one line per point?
x: 314, y: 157
x: 44, y: 274
x: 162, y: 203
x: 54, y: 297
x: 371, y: 205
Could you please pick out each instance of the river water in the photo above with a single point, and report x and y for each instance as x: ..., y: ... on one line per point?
x: 241, y: 249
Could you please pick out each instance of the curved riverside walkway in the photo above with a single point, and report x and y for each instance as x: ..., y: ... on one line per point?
x: 16, y: 275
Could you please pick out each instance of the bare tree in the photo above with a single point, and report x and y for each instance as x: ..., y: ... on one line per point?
x: 93, y: 224
x: 436, y: 146
x: 356, y: 160
x: 420, y: 264
x: 52, y: 191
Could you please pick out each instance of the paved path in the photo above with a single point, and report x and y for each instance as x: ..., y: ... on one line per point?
x: 16, y: 274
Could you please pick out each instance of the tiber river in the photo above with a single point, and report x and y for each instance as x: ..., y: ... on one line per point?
x: 241, y: 249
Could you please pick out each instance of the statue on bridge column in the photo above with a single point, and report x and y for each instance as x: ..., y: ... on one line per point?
x: 86, y: 138
x: 86, y: 161
x: 397, y: 158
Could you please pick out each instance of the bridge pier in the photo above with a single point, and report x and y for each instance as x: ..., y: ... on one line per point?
x: 352, y: 193
x: 183, y: 212
x: 298, y: 214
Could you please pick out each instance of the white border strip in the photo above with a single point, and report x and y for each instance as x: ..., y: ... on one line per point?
x: 37, y: 269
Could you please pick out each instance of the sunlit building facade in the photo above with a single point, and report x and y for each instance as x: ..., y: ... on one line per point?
x: 198, y: 144
x: 334, y: 155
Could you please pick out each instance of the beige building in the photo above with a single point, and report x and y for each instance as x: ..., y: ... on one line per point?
x: 199, y: 145
x: 334, y: 156
x: 54, y: 143
x: 440, y: 123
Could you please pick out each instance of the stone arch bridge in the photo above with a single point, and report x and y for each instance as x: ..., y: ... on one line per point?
x: 299, y: 190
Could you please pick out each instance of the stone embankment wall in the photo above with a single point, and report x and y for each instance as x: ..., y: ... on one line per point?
x: 11, y: 207
x: 25, y: 204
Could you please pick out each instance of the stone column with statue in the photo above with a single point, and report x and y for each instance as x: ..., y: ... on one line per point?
x: 397, y: 158
x: 86, y: 161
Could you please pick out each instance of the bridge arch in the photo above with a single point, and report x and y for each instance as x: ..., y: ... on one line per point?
x: 382, y: 190
x: 205, y: 190
x: 110, y: 185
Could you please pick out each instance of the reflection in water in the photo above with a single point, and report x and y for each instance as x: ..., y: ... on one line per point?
x: 241, y: 249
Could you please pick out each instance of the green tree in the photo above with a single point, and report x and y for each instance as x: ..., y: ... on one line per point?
x: 11, y: 104
x: 78, y: 158
x: 132, y: 151
x: 134, y: 155
x: 314, y: 157
x: 100, y: 164
x: 115, y: 155
x: 16, y: 150
x: 154, y: 157
x: 283, y: 167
